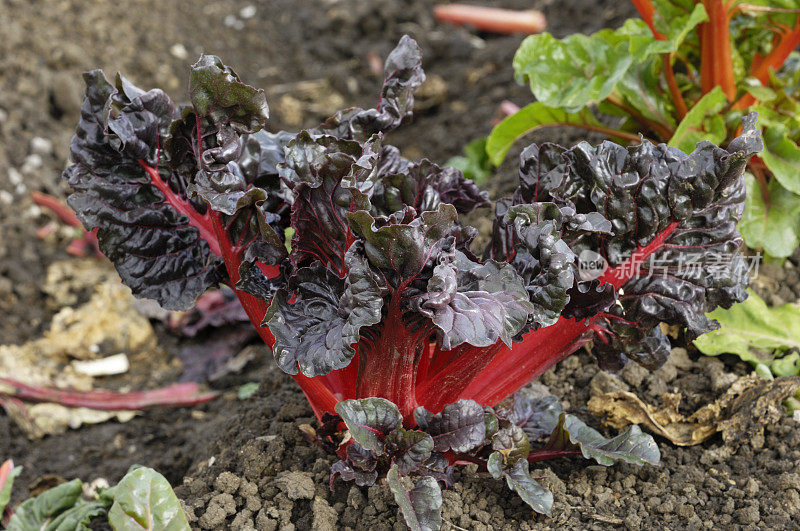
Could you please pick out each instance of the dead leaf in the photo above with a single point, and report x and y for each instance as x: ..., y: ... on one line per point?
x: 70, y: 281
x: 39, y: 420
x: 108, y: 319
x: 107, y: 322
x: 740, y: 414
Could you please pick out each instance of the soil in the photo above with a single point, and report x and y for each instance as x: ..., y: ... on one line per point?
x: 241, y: 464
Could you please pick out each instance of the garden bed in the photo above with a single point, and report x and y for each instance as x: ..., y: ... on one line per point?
x: 245, y: 462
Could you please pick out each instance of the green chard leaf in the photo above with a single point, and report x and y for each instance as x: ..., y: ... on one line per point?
x: 475, y: 163
x: 144, y: 500
x: 702, y: 122
x: 755, y: 332
x: 782, y: 156
x: 773, y: 227
x: 528, y: 119
x: 573, y: 72
x: 48, y: 510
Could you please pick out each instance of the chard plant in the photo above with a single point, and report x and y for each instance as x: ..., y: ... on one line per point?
x: 687, y: 70
x: 143, y: 499
x: 353, y: 265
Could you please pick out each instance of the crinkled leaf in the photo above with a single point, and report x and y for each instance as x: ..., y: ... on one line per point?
x: 363, y: 478
x: 512, y: 443
x: 218, y: 93
x: 753, y: 331
x: 475, y: 303
x: 369, y: 420
x: 402, y: 76
x: 775, y: 227
x: 252, y: 280
x: 144, y: 499
x: 702, y: 122
x: 361, y: 458
x: 439, y: 468
x: 424, y: 186
x: 409, y: 449
x: 459, y: 427
x: 403, y: 248
x: 161, y: 245
x: 317, y: 330
x: 542, y: 258
x: 630, y: 446
x: 422, y: 505
x: 528, y: 119
x: 685, y: 207
x: 536, y: 415
x: 330, y: 177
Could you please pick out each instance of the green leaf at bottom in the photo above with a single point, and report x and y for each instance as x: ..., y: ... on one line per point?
x: 773, y: 227
x: 528, y: 119
x: 754, y: 332
x: 144, y: 499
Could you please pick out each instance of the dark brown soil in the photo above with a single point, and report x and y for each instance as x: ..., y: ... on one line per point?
x: 245, y: 462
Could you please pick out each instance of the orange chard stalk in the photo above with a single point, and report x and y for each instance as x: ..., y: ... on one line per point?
x: 782, y: 45
x: 647, y: 11
x: 716, y: 66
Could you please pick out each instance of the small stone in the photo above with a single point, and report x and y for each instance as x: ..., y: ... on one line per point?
x: 242, y: 521
x: 227, y: 482
x: 248, y: 11
x: 14, y: 177
x: 232, y: 22
x: 751, y: 487
x: 248, y: 488
x: 679, y: 357
x: 31, y: 163
x: 179, y: 51
x: 264, y: 522
x: 6, y: 198
x: 41, y: 146
x: 296, y: 485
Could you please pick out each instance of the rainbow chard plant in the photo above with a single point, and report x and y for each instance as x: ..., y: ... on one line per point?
x: 408, y: 345
x: 688, y: 70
